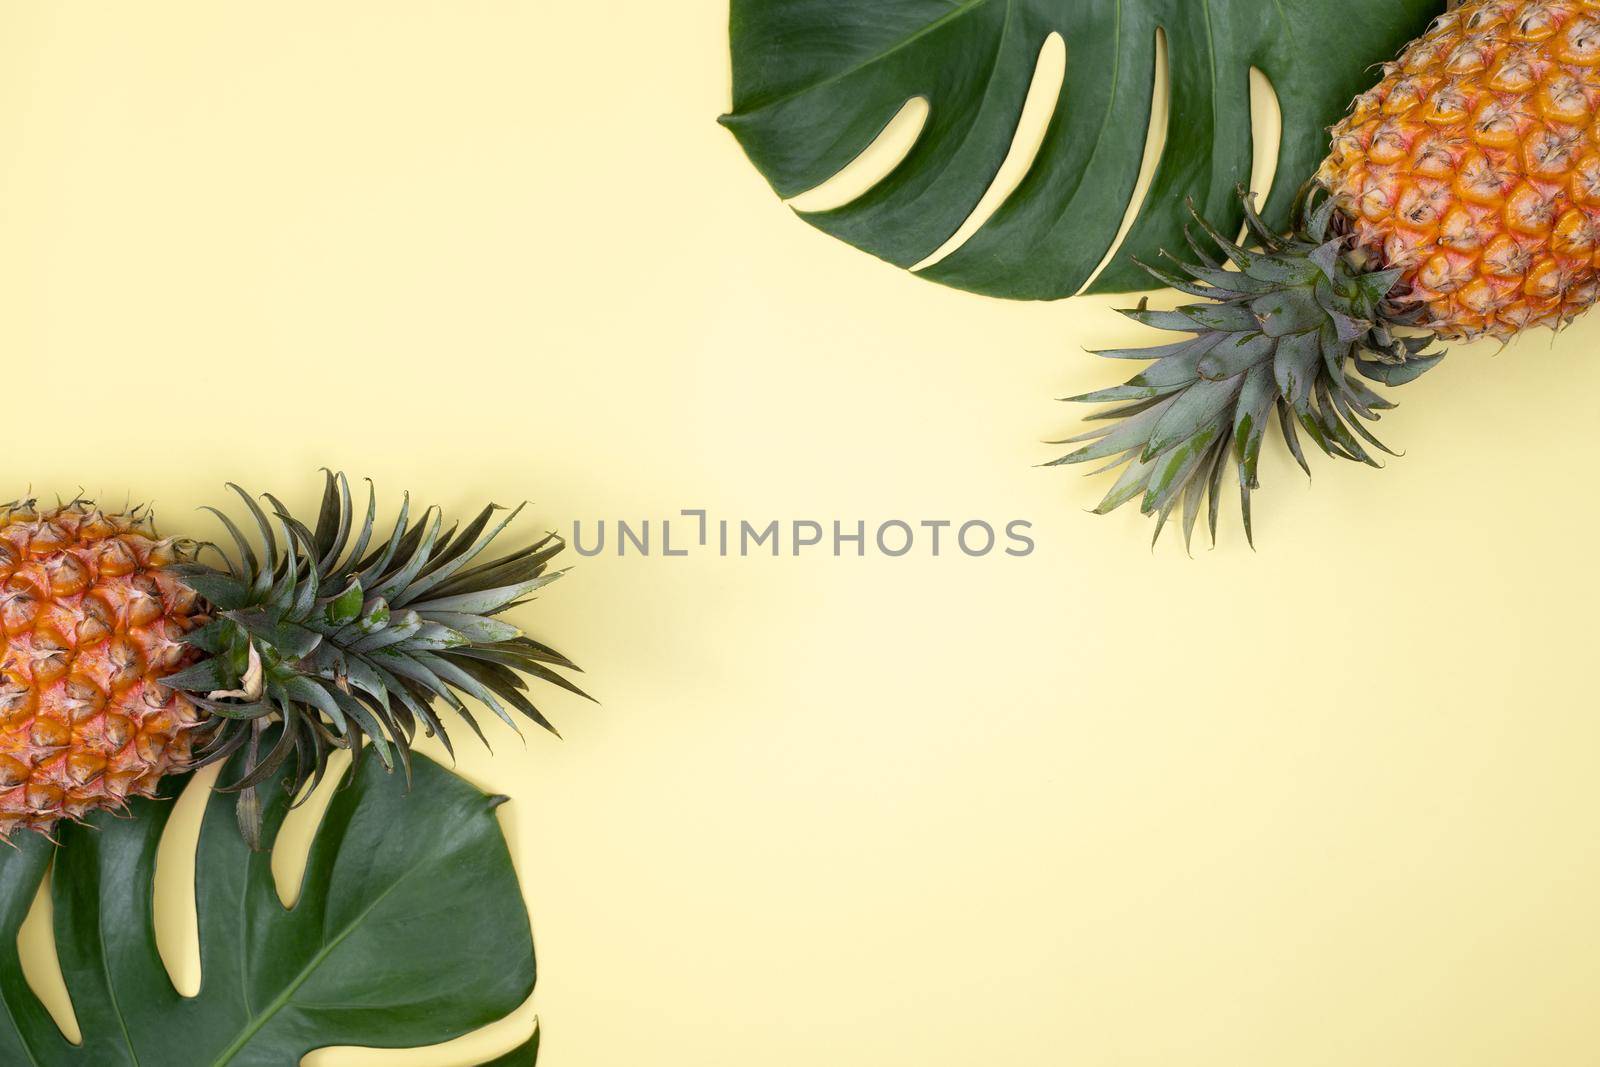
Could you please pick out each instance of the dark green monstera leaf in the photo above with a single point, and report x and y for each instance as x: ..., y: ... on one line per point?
x: 816, y: 81
x: 410, y: 929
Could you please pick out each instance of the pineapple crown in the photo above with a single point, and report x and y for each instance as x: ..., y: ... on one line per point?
x: 1281, y: 330
x: 350, y: 642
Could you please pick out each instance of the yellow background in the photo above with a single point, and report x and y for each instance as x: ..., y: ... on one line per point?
x: 1327, y: 803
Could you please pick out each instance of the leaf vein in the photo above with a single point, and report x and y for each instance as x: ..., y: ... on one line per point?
x: 282, y: 999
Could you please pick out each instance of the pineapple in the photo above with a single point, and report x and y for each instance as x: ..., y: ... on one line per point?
x: 1461, y: 197
x: 128, y: 657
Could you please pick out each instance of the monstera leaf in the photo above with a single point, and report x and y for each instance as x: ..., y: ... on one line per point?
x: 816, y: 81
x: 410, y: 929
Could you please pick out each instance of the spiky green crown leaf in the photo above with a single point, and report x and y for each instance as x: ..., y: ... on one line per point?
x: 350, y: 641
x: 1282, y: 332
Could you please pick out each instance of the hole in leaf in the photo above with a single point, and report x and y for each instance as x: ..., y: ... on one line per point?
x: 1266, y: 135
x: 41, y: 967
x: 1155, y: 143
x: 292, y: 849
x: 875, y: 163
x: 1044, y: 94
x: 177, y: 922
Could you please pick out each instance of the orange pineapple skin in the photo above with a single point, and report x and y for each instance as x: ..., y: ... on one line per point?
x: 91, y: 619
x: 1474, y: 165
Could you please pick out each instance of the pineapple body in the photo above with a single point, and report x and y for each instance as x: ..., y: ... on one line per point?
x: 1474, y: 165
x: 91, y: 618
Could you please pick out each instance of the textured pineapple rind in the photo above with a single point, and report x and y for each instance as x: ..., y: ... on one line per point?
x: 1474, y: 165
x: 92, y: 617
